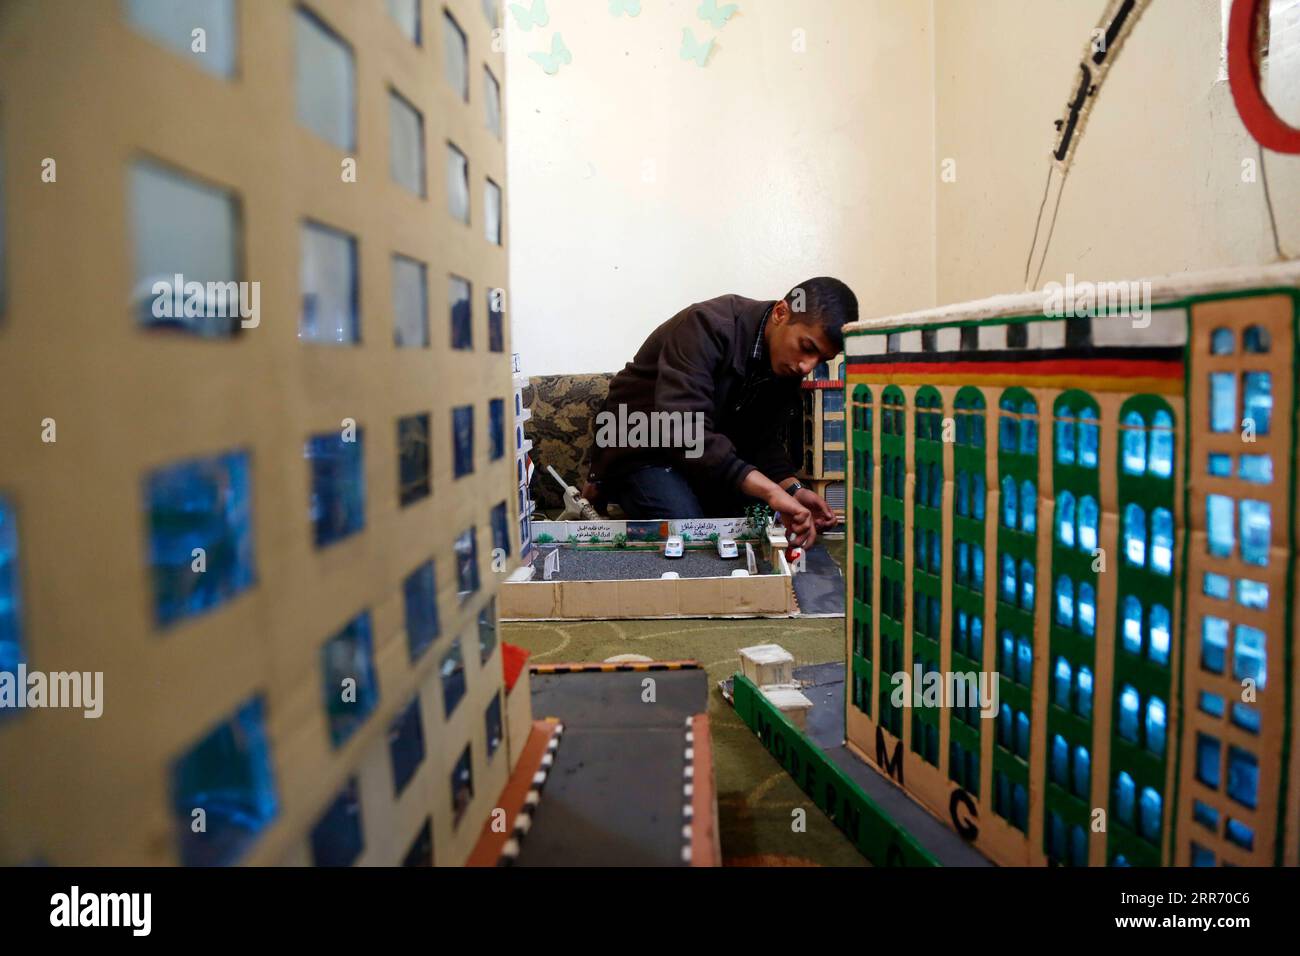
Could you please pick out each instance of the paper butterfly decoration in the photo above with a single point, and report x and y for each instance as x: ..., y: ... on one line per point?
x: 550, y: 62
x: 630, y: 7
x: 715, y: 15
x: 529, y: 17
x: 692, y: 49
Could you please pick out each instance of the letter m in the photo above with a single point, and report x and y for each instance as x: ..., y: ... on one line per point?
x: 892, y: 766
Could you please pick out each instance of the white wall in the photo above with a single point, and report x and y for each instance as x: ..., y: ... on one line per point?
x: 640, y: 183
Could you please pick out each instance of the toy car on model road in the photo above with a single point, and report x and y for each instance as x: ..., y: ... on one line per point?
x: 673, y: 546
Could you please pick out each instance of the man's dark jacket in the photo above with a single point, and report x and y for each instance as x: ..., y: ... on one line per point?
x: 701, y: 360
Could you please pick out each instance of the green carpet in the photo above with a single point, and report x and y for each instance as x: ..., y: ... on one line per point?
x: 756, y: 798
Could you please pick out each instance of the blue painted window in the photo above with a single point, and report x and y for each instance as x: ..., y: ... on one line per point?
x: 1131, y: 635
x: 228, y: 774
x: 1083, y: 693
x: 1219, y: 525
x: 1135, y: 541
x: 1256, y: 340
x: 1088, y: 523
x: 1081, y: 772
x: 487, y: 631
x: 1238, y: 833
x: 492, y: 724
x: 1150, y: 813
x: 1010, y: 507
x: 203, y: 503
x: 1219, y: 465
x: 1156, y: 724
x: 1211, y: 704
x: 1222, y: 342
x: 1128, y: 714
x: 1243, y: 776
x: 462, y: 786
x: 338, y: 486
x: 1246, y: 717
x: 406, y: 745
x: 496, y: 320
x: 1258, y: 400
x: 1062, y: 683
x: 326, y: 82
x: 462, y: 436
x: 1065, y: 519
x: 1256, y: 531
x: 1060, y: 760
x: 1206, y: 815
x: 1055, y: 836
x: 977, y: 494
x: 1065, y: 436
x: 1162, y: 541
x: 1028, y: 507
x: 184, y: 226
x: 496, y: 428
x: 171, y: 24
x: 1022, y: 735
x: 1029, y: 429
x: 1125, y: 797
x: 337, y: 838
x: 1214, y: 644
x: 1064, y: 601
x: 1208, y: 759
x: 420, y: 595
x: 1216, y: 586
x: 1254, y: 468
x: 1026, y: 585
x: 1024, y: 661
x: 452, y: 670
x: 405, y: 144
x: 328, y: 279
x: 466, y: 548
x: 1089, y: 438
x: 1223, y: 402
x: 412, y: 458
x: 1134, y: 457
x: 1161, y: 460
x: 1086, y: 613
x: 977, y: 568
x: 351, y: 686
x: 501, y: 529
x: 11, y: 621
x: 1158, y: 645
x: 1201, y: 856
x: 1008, y: 579
x: 410, y: 303
x: 460, y: 313
x: 1250, y: 655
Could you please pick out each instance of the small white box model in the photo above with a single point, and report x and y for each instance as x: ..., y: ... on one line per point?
x: 727, y: 548
x: 673, y: 546
x: 767, y: 664
x: 740, y: 573
x: 791, y: 702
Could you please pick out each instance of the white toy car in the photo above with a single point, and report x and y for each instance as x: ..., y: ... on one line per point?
x: 727, y: 548
x: 673, y: 546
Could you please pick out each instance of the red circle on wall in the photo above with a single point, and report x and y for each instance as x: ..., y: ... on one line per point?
x: 1258, y: 115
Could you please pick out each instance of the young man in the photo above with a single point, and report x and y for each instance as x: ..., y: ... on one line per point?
x: 731, y: 368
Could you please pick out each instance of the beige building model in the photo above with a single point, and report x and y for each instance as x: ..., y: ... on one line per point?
x: 1084, y: 499
x: 254, y: 390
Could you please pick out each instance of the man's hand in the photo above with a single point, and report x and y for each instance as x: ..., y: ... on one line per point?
x: 796, y: 518
x: 823, y: 516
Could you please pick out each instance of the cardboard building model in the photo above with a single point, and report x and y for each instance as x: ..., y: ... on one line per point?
x: 269, y: 535
x: 1102, y: 513
x: 823, y: 468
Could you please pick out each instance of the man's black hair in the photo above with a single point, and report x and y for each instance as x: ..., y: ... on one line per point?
x: 826, y: 301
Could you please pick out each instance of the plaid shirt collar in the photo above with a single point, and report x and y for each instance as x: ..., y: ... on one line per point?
x: 760, y: 346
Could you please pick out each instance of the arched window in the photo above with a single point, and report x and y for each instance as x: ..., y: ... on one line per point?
x: 1028, y: 507
x: 1008, y: 579
x: 1008, y: 427
x: 1125, y: 797
x: 1128, y: 713
x: 1063, y: 683
x: 977, y: 632
x: 961, y: 503
x: 1088, y: 523
x: 1078, y: 846
x: 1135, y: 535
x: 1162, y: 541
x: 1060, y: 760
x: 1089, y: 438
x: 1221, y: 342
x: 1022, y: 735
x: 1156, y: 724
x: 1007, y: 660
x: 1082, y: 774
x: 1158, y: 632
x: 977, y: 568
x: 1149, y: 815
x: 1135, y: 440
x: 1024, y: 661
x: 1161, y: 460
x: 1064, y: 601
x: 977, y: 496
x: 1131, y: 635
x: 1086, y: 609
x: 1010, y: 507
x: 1065, y: 519
x: 1065, y: 435
x: 1256, y: 340
x: 1029, y: 427
x: 1026, y: 585
x: 1083, y: 693
x: 1004, y: 727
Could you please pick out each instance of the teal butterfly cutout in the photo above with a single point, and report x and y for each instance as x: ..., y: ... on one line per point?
x: 550, y: 62
x: 630, y: 7
x: 717, y: 16
x: 528, y: 18
x: 693, y: 49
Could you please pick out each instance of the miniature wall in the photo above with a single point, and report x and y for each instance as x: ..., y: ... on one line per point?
x: 101, y: 92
